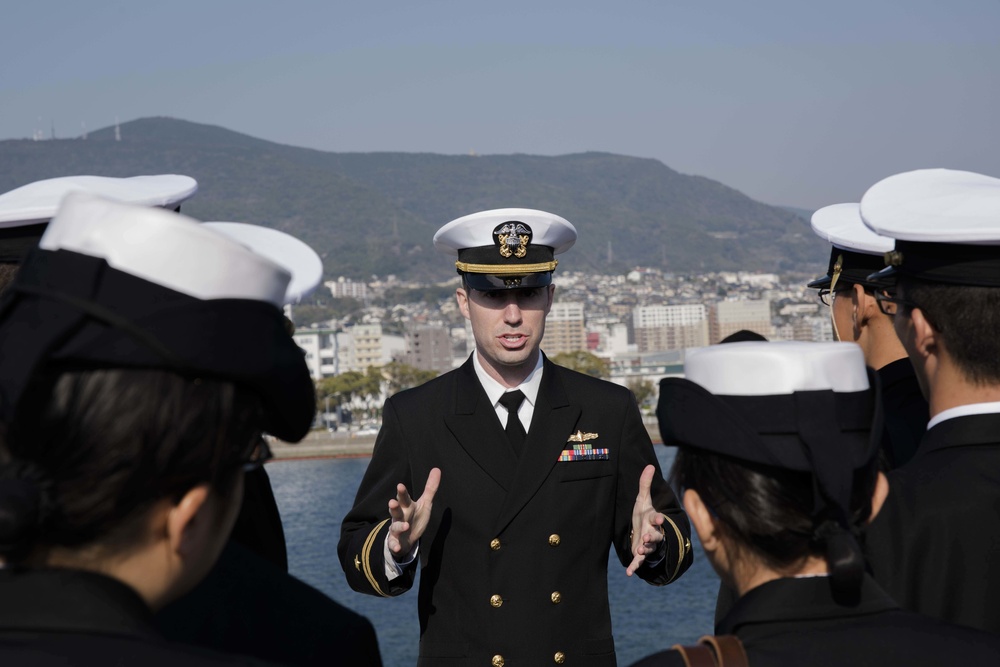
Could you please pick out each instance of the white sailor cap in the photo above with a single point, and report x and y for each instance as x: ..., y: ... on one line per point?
x: 114, y: 285
x: 506, y: 248
x: 807, y: 407
x: 946, y: 224
x: 756, y: 400
x: 778, y: 368
x: 25, y: 211
x: 857, y: 251
x: 301, y: 261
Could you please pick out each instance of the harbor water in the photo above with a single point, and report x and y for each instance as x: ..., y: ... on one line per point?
x: 314, y: 495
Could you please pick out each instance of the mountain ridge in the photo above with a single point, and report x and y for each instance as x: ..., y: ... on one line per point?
x: 375, y: 213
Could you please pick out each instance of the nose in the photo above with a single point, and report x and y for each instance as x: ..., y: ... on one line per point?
x: 512, y: 312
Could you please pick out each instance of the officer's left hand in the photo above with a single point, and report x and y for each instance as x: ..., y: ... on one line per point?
x: 647, y: 534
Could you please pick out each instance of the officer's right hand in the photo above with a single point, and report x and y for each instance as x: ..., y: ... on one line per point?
x: 410, y: 517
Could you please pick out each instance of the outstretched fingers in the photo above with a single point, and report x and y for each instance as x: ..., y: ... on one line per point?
x: 644, y: 498
x: 431, y: 487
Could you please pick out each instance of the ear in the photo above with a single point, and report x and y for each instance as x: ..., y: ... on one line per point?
x: 925, y: 338
x: 189, y: 521
x: 865, y: 306
x: 462, y: 297
x: 552, y: 292
x: 879, y: 494
x: 702, y: 520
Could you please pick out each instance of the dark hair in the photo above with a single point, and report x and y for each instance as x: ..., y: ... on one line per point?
x: 764, y: 508
x: 101, y: 447
x: 8, y: 271
x: 968, y: 318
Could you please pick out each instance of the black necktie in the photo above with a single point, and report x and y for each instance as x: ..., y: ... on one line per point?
x: 515, y: 431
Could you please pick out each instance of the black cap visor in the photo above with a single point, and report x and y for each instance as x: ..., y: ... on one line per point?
x: 487, y: 282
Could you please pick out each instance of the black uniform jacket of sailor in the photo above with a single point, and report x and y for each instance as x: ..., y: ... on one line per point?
x: 935, y: 546
x: 514, y: 560
x: 795, y: 622
x: 249, y: 605
x: 904, y: 412
x: 55, y: 618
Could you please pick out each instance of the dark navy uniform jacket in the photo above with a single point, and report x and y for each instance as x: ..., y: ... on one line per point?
x: 935, y: 546
x: 514, y: 560
x: 55, y: 618
x: 248, y: 605
x: 796, y: 622
x: 904, y: 412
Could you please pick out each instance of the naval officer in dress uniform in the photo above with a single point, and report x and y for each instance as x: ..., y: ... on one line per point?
x: 509, y: 479
x: 936, y: 545
x: 778, y: 463
x: 858, y: 252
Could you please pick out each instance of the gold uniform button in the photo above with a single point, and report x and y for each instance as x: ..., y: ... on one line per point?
x: 498, y: 660
x: 559, y: 657
x: 556, y: 597
x: 554, y: 540
x: 495, y: 544
x: 496, y: 601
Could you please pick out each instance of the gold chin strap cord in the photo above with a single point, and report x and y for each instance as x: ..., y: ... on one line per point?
x: 837, y: 268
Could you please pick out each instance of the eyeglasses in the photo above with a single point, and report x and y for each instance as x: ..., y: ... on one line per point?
x: 890, y: 304
x: 260, y: 455
x: 826, y: 296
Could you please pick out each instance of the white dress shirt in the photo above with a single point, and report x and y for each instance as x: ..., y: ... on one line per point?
x: 494, y: 390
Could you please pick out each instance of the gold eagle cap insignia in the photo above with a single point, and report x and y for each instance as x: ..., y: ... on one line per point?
x: 580, y: 436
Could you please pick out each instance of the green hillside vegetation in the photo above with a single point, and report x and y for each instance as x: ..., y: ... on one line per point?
x: 375, y: 213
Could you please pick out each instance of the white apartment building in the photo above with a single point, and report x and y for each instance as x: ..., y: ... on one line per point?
x: 346, y: 288
x: 565, y: 329
x: 670, y: 327
x: 330, y: 352
x: 728, y: 317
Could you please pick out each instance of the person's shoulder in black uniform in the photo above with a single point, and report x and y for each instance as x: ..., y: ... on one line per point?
x: 281, y: 619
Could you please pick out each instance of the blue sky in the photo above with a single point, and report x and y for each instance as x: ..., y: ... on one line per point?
x: 796, y: 103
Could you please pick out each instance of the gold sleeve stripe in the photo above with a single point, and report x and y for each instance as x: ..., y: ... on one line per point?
x: 507, y: 269
x: 680, y: 547
x: 366, y: 560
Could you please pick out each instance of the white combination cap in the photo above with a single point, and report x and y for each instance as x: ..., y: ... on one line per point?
x: 777, y: 368
x: 841, y: 225
x: 946, y: 224
x: 506, y: 248
x: 857, y: 251
x: 164, y: 248
x: 283, y: 249
x: 38, y: 202
x: 935, y: 206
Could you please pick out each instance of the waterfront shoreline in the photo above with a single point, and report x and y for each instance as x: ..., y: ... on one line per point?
x: 341, y: 445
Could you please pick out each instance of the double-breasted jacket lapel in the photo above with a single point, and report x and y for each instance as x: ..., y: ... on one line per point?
x: 475, y: 425
x: 551, y: 424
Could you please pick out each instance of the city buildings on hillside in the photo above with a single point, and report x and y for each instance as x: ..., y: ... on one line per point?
x: 640, y: 322
x: 729, y: 316
x: 345, y: 288
x: 331, y: 352
x: 428, y: 347
x: 565, y: 328
x: 662, y: 327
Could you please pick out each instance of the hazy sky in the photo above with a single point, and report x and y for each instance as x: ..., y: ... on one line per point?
x: 792, y: 102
